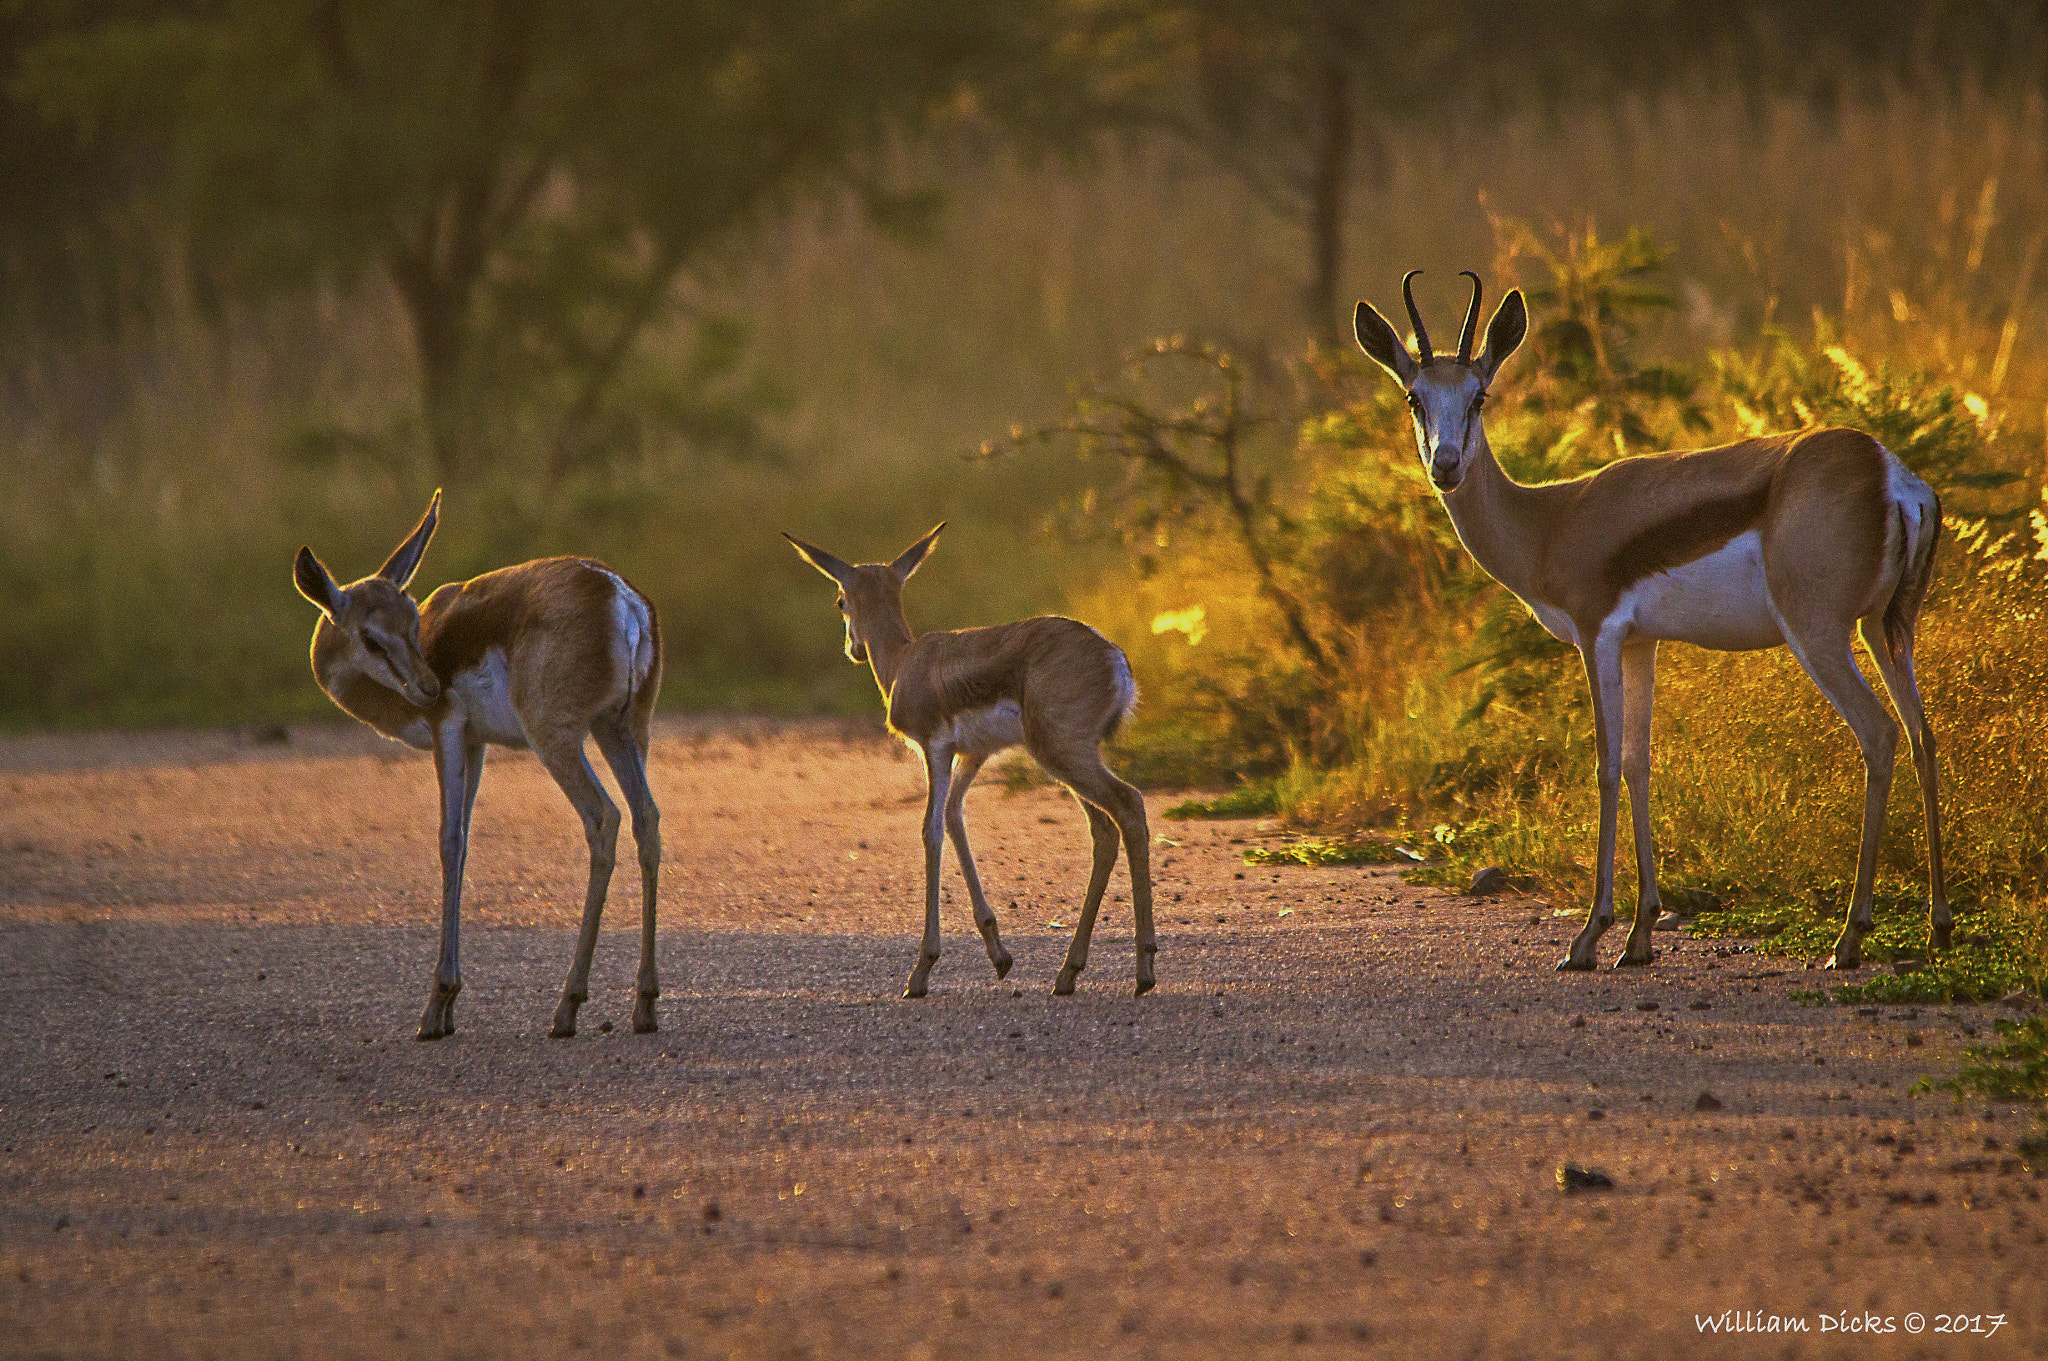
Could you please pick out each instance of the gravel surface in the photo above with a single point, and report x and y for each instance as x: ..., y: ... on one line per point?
x: 1338, y: 1127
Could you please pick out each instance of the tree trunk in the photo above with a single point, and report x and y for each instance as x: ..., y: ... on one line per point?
x: 1332, y: 176
x: 435, y: 311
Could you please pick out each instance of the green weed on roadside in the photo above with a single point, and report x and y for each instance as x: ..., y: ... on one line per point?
x: 2014, y: 1069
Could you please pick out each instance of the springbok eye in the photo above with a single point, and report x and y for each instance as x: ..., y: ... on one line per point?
x: 1414, y: 402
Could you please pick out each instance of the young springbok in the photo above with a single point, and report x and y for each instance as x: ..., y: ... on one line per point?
x: 1805, y: 540
x: 1054, y: 686
x: 539, y: 655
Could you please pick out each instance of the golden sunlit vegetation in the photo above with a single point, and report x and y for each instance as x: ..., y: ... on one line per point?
x: 1427, y: 702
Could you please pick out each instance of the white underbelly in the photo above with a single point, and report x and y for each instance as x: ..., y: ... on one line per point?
x: 984, y: 732
x: 1719, y: 601
x: 486, y: 693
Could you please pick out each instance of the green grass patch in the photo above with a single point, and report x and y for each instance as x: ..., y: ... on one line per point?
x: 2013, y: 1069
x: 1246, y: 801
x: 1994, y: 953
x: 1316, y: 851
x: 1809, y: 929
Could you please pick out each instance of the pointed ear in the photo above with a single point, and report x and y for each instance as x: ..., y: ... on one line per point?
x: 405, y: 559
x: 1386, y: 347
x: 316, y: 583
x: 817, y: 557
x: 1503, y: 335
x: 907, y: 561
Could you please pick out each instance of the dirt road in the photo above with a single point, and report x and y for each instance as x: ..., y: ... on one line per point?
x: 1335, y: 1129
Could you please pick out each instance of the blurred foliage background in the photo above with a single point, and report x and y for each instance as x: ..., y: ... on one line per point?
x: 654, y: 281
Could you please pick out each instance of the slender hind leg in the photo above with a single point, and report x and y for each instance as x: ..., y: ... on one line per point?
x: 622, y: 753
x: 965, y: 767
x: 1897, y: 672
x: 562, y: 754
x: 1103, y: 830
x: 1122, y: 808
x: 1831, y: 662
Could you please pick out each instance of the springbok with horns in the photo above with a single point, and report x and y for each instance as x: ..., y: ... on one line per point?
x: 1805, y: 540
x: 540, y: 655
x: 1054, y: 686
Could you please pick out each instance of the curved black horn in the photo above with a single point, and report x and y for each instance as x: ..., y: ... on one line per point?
x: 1421, y: 331
x: 1471, y: 320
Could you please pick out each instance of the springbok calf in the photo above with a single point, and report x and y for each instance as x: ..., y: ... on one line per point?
x: 539, y: 655
x: 1054, y: 686
x: 1804, y: 540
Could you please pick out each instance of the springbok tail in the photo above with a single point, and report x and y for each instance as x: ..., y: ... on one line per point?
x: 1902, y: 613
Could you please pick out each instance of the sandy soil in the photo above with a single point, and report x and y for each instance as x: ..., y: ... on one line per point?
x: 1336, y: 1128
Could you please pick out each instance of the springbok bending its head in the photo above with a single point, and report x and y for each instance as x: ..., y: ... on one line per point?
x: 540, y: 655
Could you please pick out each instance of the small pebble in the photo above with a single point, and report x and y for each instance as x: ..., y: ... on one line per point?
x: 1706, y: 1101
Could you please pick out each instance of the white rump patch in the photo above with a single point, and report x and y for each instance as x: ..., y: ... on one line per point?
x: 632, y: 632
x: 1126, y: 684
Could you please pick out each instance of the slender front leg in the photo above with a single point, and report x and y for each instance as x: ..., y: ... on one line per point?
x: 1638, y: 693
x: 622, y: 754
x: 459, y: 768
x: 1603, y: 677
x: 938, y: 765
x: 562, y: 754
x: 965, y: 767
x: 1103, y: 828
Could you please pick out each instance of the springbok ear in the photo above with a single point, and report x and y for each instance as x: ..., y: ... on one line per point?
x: 316, y: 583
x: 1503, y: 335
x: 820, y: 559
x: 405, y: 559
x: 1378, y: 339
x: 907, y: 561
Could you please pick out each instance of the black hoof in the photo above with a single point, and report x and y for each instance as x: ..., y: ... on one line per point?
x: 1002, y: 967
x: 1570, y: 965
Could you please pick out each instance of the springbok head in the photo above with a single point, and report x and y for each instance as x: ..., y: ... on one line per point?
x: 870, y: 595
x: 1444, y: 393
x: 374, y: 620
